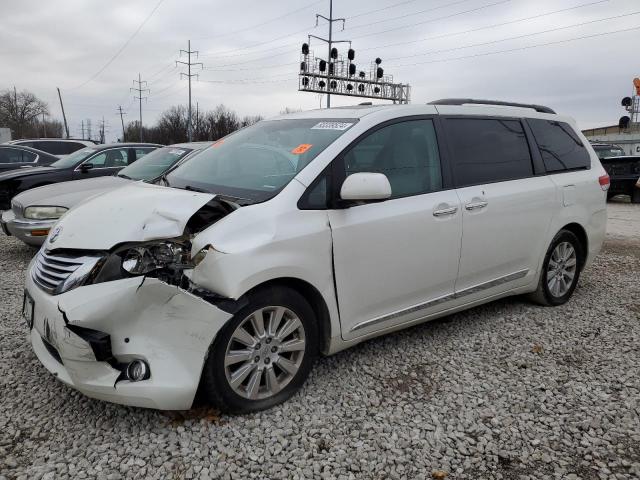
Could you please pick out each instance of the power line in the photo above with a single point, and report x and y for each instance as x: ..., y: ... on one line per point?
x: 117, y: 54
x: 487, y: 27
x: 517, y: 37
x: 402, y: 27
x: 528, y: 47
x: 381, y: 9
x: 440, y: 7
x: 262, y: 23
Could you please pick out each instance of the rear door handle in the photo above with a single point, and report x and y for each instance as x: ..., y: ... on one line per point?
x: 475, y: 205
x: 445, y: 211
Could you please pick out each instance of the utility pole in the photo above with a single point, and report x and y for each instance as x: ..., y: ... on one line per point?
x: 189, y: 64
x: 82, y: 129
x: 64, y: 117
x: 330, y: 42
x: 88, y: 129
x: 140, y: 89
x: 44, y: 126
x: 197, y: 117
x: 122, y: 121
x: 102, y: 131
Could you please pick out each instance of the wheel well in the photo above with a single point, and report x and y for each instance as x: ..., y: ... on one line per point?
x: 579, y: 232
x: 314, y: 297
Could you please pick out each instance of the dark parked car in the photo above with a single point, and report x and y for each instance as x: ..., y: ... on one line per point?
x: 624, y: 172
x: 55, y: 146
x: 97, y: 161
x: 13, y: 157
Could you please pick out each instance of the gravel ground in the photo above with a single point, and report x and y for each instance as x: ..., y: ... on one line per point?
x: 505, y: 391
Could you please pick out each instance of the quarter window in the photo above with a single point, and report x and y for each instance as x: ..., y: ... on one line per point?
x: 488, y: 150
x: 560, y: 147
x: 407, y: 153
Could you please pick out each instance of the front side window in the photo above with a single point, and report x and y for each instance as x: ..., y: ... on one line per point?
x: 74, y: 159
x: 406, y: 152
x: 255, y: 163
x: 116, y: 157
x: 154, y: 164
x: 560, y: 147
x: 488, y: 150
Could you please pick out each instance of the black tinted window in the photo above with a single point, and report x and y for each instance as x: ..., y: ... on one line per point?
x: 14, y: 155
x: 488, y: 150
x: 407, y: 153
x: 560, y: 147
x: 58, y: 148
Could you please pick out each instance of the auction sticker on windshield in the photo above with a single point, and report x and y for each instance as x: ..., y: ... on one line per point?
x: 300, y: 149
x: 331, y: 126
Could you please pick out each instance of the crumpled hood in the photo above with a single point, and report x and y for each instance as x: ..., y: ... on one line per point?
x: 133, y: 213
x: 69, y: 194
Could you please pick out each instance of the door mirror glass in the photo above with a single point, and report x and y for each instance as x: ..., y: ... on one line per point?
x: 85, y: 167
x: 366, y: 186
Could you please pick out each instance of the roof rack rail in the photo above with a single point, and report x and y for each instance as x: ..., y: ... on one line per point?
x: 472, y: 101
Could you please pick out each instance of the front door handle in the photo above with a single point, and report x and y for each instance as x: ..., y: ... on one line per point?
x: 475, y: 205
x: 445, y: 211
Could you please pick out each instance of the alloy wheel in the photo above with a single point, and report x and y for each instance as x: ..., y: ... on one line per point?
x: 561, y: 270
x: 265, y: 352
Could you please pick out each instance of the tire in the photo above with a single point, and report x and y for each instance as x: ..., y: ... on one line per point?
x: 610, y: 195
x: 635, y: 195
x: 556, y: 295
x: 258, y: 358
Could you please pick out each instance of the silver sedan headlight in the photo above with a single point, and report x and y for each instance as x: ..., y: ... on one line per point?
x: 44, y: 212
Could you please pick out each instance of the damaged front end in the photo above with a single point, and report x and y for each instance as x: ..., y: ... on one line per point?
x: 126, y: 324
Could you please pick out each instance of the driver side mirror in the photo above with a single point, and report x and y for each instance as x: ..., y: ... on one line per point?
x: 365, y: 186
x: 85, y: 167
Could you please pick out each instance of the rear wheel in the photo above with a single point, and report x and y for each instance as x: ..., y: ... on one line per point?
x: 560, y: 270
x: 635, y: 195
x: 264, y: 354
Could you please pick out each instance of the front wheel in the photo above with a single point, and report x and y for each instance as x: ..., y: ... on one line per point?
x: 264, y: 354
x: 560, y: 270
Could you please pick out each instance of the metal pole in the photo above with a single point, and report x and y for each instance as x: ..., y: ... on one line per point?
x: 140, y: 99
x: 64, y: 117
x: 83, y: 129
x: 189, y: 135
x: 329, y: 56
x: 44, y: 126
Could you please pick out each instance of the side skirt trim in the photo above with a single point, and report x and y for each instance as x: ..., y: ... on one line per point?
x: 445, y: 298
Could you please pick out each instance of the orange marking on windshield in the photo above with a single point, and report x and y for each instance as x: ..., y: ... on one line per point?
x: 302, y: 148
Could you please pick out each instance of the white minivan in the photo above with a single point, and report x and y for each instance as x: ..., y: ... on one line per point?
x: 304, y: 235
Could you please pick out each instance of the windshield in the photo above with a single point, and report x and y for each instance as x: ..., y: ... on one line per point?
x: 73, y: 159
x: 255, y: 163
x: 605, y: 152
x: 155, y: 163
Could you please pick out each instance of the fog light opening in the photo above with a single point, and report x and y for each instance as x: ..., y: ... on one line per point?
x: 39, y: 233
x: 138, y: 370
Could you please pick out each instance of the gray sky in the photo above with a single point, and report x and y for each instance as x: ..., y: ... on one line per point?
x: 442, y: 48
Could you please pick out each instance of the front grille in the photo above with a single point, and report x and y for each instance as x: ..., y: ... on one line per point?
x: 56, y: 273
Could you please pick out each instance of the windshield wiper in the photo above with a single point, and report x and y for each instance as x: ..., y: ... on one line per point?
x: 195, y: 189
x: 124, y: 176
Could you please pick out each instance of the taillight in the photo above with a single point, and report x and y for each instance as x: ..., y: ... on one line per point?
x: 604, y: 182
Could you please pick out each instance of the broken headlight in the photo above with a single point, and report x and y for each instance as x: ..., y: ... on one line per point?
x: 147, y: 258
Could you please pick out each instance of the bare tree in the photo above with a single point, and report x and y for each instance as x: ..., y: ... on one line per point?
x: 18, y: 110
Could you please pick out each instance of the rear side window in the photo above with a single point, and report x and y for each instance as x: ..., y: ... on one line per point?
x: 15, y: 155
x: 488, y: 150
x: 58, y: 148
x: 406, y: 152
x: 560, y: 147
